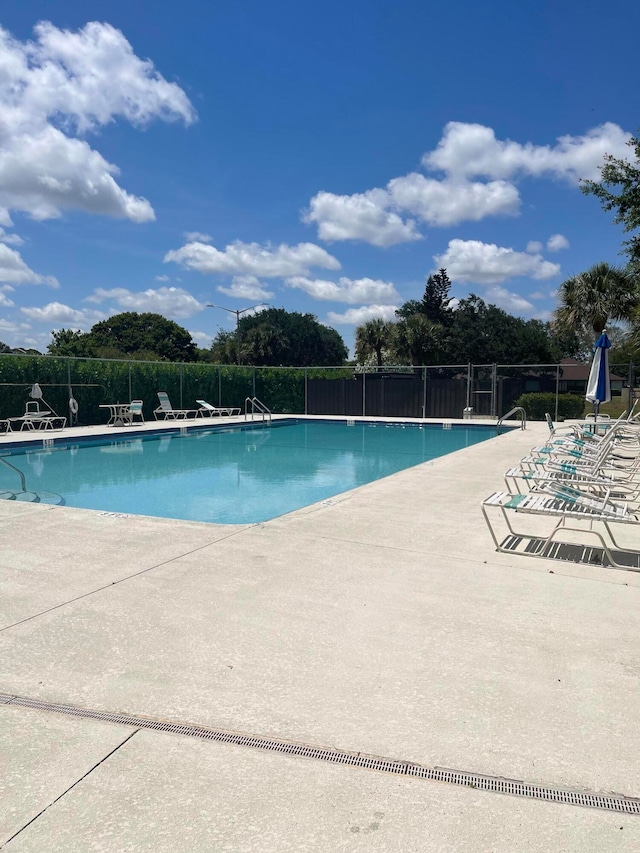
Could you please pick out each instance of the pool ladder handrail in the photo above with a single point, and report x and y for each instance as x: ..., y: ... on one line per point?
x: 516, y: 410
x: 23, y: 481
x: 256, y: 405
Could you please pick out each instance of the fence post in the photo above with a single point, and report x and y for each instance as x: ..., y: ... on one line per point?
x: 424, y: 392
x: 555, y: 417
x: 469, y: 382
x: 364, y: 392
x: 130, y: 394
x: 306, y: 379
x: 494, y: 383
x: 181, y: 403
x: 253, y: 382
x: 219, y: 386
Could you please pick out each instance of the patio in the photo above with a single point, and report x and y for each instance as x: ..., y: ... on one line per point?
x: 381, y: 622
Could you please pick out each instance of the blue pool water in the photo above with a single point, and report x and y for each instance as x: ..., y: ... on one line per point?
x: 231, y: 476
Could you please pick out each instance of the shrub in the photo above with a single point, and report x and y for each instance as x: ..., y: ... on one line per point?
x: 535, y: 405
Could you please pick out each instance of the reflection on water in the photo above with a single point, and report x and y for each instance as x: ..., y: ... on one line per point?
x: 235, y: 476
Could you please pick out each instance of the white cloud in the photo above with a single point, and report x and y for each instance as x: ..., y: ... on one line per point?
x: 349, y: 290
x: 10, y: 239
x: 534, y: 247
x: 15, y: 271
x: 451, y: 201
x: 162, y: 278
x: 59, y: 86
x: 557, y: 242
x: 4, y: 299
x: 485, y: 263
x: 173, y: 302
x: 513, y: 303
x: 196, y: 237
x: 375, y: 216
x: 362, y: 216
x: 472, y: 150
x: 64, y: 315
x: 9, y: 327
x: 356, y: 316
x: 201, y: 339
x: 465, y: 151
x: 246, y: 287
x: 240, y: 258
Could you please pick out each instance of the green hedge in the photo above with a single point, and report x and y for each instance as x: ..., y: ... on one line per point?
x: 96, y: 381
x: 536, y: 405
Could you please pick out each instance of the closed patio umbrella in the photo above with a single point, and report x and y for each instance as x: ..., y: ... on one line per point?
x: 599, y: 383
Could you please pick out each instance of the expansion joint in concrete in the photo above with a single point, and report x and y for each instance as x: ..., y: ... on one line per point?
x: 70, y: 788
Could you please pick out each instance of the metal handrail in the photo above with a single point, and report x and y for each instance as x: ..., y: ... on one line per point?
x: 18, y: 472
x: 516, y: 410
x: 256, y: 404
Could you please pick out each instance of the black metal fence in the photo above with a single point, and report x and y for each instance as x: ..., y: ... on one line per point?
x: 445, y: 391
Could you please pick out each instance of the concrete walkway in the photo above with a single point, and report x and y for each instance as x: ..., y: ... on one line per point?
x: 382, y: 622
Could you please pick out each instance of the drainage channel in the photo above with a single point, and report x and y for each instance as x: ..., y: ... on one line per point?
x: 497, y: 784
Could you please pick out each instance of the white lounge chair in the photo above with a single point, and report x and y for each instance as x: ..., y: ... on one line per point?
x: 576, y: 518
x: 166, y: 410
x: 36, y: 418
x: 521, y: 481
x: 206, y: 410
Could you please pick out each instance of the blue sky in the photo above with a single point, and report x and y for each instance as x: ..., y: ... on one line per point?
x: 322, y: 158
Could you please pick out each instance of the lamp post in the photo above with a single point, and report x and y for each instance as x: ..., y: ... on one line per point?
x: 237, y: 312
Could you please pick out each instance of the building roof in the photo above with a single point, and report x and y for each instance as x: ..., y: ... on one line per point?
x: 577, y: 371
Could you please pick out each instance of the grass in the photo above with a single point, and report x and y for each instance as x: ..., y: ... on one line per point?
x: 614, y: 408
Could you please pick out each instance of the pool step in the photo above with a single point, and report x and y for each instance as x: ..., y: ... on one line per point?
x: 32, y: 497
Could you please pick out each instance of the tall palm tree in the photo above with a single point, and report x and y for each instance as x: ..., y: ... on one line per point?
x: 588, y: 300
x: 373, y: 337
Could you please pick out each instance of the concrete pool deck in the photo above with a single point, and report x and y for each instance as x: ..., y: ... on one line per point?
x: 381, y: 622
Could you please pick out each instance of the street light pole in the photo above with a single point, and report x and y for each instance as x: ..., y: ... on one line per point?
x: 237, y: 312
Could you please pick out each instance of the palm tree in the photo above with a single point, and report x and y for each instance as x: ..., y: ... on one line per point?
x: 588, y: 300
x: 373, y: 337
x: 418, y: 340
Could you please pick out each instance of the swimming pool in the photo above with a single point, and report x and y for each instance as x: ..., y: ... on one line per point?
x: 239, y: 475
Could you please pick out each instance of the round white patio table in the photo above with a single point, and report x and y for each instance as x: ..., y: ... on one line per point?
x: 118, y: 413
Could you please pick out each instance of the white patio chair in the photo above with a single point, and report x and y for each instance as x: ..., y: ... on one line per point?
x: 135, y: 411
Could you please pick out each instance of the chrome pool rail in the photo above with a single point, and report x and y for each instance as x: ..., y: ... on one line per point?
x: 253, y: 405
x: 23, y: 481
x: 517, y: 410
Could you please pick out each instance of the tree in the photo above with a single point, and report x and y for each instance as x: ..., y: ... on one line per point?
x: 485, y: 334
x: 278, y: 338
x: 128, y: 335
x: 625, y: 175
x: 588, y: 300
x: 373, y: 337
x: 72, y: 343
x: 569, y: 344
x: 224, y: 348
x: 150, y: 333
x: 435, y: 302
x: 625, y: 346
x: 418, y: 340
x: 4, y: 347
x: 408, y: 309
